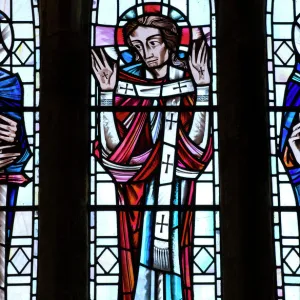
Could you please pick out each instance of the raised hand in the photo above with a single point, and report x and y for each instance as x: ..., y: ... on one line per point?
x: 8, y: 134
x: 8, y: 130
x: 9, y: 157
x: 199, y: 66
x: 103, y: 72
x: 294, y: 142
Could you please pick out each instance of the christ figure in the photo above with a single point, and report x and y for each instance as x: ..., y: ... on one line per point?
x: 154, y: 151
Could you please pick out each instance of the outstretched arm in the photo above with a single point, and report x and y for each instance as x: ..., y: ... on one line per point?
x: 104, y: 74
x: 109, y: 136
x: 106, y: 77
x: 8, y: 133
x: 198, y: 63
x: 199, y: 130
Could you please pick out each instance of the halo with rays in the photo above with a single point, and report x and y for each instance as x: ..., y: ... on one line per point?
x: 183, y: 26
x: 6, y: 37
x: 296, y: 34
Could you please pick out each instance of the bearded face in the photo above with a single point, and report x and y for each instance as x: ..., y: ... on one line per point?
x: 150, y: 46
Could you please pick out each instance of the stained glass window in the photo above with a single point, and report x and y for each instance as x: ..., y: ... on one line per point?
x: 154, y: 187
x: 19, y: 147
x: 283, y: 37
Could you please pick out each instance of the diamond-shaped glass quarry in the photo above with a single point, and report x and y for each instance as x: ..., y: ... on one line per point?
x: 284, y: 52
x: 203, y: 259
x: 107, y: 260
x: 19, y: 260
x: 293, y: 260
x: 23, y: 52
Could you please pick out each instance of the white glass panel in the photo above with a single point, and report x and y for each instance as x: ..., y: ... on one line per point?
x: 287, y: 197
x: 18, y: 292
x: 106, y: 193
x: 23, y: 224
x: 280, y: 89
x: 204, y: 223
x: 107, y: 292
x: 283, y: 11
x: 269, y: 5
x: 206, y: 292
x: 289, y: 224
x: 106, y: 223
x: 282, y: 74
x: 21, y: 10
x: 283, y: 31
x: 23, y: 31
x: 297, y: 5
x: 292, y: 292
x: 199, y: 12
x: 28, y: 116
x: 204, y: 193
x: 25, y: 195
x: 124, y: 5
x: 180, y: 4
x: 107, y: 12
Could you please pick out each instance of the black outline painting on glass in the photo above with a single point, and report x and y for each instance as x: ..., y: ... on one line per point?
x: 19, y: 142
x: 154, y: 190
x: 283, y: 37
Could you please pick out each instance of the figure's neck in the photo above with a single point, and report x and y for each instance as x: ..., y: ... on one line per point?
x: 160, y: 72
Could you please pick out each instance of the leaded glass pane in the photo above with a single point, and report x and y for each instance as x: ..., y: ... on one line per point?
x: 19, y: 148
x: 154, y: 186
x: 283, y: 89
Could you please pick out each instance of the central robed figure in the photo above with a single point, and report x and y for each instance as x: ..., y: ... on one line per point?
x: 155, y: 142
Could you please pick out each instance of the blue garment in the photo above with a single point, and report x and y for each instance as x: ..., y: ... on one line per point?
x: 137, y: 70
x: 289, y: 120
x: 11, y: 104
x: 146, y: 283
x: 11, y: 96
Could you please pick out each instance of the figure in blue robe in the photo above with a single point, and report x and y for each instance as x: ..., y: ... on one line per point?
x: 11, y: 107
x: 289, y: 120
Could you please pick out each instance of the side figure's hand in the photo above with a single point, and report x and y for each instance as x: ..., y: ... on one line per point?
x: 294, y: 142
x: 8, y: 130
x: 199, y: 66
x: 9, y: 157
x: 8, y: 134
x: 103, y: 72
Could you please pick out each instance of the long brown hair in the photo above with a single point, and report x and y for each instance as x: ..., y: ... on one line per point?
x: 168, y: 31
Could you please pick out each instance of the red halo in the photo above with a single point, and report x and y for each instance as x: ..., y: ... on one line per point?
x: 156, y: 9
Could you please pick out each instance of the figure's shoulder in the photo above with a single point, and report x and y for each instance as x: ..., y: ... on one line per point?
x: 4, y: 74
x: 10, y: 85
x: 295, y: 76
x: 135, y: 69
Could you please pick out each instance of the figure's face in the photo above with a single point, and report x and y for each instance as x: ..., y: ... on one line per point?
x: 149, y: 44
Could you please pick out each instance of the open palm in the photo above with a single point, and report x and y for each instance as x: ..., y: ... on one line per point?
x: 199, y: 66
x: 105, y: 75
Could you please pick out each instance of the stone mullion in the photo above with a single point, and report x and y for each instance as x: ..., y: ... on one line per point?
x: 247, y: 253
x: 64, y: 150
